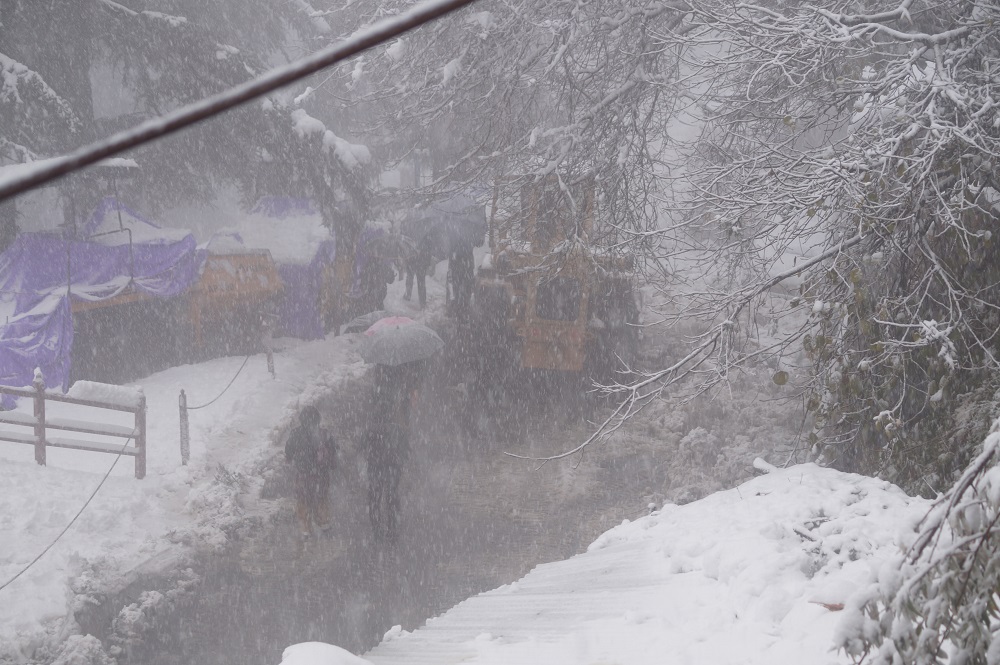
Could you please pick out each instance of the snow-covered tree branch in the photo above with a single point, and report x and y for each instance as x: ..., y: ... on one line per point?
x: 816, y: 126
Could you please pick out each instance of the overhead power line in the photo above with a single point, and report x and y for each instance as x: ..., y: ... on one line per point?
x: 153, y: 129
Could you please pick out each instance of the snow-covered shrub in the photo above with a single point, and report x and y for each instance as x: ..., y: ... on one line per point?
x: 940, y: 602
x: 137, y: 624
x: 83, y: 650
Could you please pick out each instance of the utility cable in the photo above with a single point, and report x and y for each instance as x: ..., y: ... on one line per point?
x: 362, y: 40
x: 245, y: 360
x: 66, y: 528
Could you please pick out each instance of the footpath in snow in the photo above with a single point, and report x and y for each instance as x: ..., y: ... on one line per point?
x: 755, y: 574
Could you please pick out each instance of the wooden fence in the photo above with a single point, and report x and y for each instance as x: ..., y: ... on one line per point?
x: 37, y: 426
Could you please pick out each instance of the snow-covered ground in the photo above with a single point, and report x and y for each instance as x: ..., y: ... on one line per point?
x: 750, y: 574
x: 756, y: 574
x: 129, y: 521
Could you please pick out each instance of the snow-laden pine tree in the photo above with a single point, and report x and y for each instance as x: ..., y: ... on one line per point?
x: 86, y: 69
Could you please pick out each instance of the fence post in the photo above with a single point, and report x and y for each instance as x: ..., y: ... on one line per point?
x: 140, y: 437
x: 267, y: 341
x: 39, y: 386
x: 182, y: 401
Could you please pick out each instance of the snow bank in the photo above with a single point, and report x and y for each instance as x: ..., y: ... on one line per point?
x: 126, y: 396
x: 755, y: 574
x: 318, y: 653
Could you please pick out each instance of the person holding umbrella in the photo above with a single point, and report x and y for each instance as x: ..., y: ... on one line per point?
x: 449, y: 226
x: 386, y: 444
x: 399, y: 347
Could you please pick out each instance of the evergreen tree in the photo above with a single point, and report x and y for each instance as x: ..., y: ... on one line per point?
x: 159, y: 56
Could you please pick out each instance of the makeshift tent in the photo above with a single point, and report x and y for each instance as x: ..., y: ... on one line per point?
x: 292, y: 230
x: 42, y: 274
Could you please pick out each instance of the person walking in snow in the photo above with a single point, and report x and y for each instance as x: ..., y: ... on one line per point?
x: 312, y: 452
x: 421, y: 261
x: 386, y: 443
x: 419, y: 264
x: 462, y: 265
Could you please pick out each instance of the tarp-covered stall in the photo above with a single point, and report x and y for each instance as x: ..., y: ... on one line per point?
x: 292, y: 230
x: 45, y: 277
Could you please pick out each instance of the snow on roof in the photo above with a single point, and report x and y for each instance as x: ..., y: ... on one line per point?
x: 293, y: 237
x: 291, y: 228
x: 111, y: 218
x: 11, y: 171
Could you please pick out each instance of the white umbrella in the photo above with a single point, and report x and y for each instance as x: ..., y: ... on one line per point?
x: 398, y: 340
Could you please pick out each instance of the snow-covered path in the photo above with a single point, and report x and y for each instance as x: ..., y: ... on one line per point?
x: 750, y: 575
x: 131, y: 521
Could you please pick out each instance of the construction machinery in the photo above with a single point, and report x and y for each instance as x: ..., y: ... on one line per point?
x: 556, y: 290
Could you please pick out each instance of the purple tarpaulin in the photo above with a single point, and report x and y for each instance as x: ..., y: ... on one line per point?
x: 36, y: 328
x: 299, y: 307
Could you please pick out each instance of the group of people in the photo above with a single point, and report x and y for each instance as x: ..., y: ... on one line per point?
x: 384, y: 440
x: 461, y: 269
x: 381, y: 257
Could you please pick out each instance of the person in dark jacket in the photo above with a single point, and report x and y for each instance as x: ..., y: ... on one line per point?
x: 462, y: 265
x: 418, y: 266
x: 387, y: 447
x: 386, y: 443
x: 376, y: 276
x: 312, y: 452
x: 420, y: 262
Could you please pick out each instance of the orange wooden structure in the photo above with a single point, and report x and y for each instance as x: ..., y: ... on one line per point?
x: 237, y: 288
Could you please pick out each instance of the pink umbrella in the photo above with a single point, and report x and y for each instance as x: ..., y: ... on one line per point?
x: 388, y: 322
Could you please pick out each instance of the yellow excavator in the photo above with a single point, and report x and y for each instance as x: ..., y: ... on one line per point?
x: 556, y: 296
